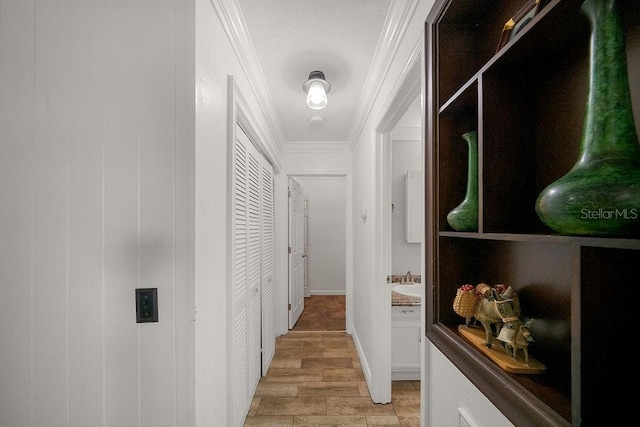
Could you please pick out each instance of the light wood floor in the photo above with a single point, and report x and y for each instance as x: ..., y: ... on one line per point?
x: 322, y: 313
x: 316, y: 379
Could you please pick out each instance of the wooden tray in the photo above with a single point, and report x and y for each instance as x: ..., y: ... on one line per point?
x: 499, y: 355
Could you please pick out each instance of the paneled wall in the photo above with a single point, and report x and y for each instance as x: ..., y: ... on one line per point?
x: 94, y: 157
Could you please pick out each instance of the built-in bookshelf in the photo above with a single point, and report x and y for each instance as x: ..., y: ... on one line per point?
x: 527, y: 100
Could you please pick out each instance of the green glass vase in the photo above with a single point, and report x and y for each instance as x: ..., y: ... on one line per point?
x: 464, y: 217
x: 600, y: 195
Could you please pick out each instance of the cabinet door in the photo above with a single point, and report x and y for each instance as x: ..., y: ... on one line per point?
x: 405, y: 343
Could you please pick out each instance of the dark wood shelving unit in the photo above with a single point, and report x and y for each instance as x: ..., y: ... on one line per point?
x: 527, y: 101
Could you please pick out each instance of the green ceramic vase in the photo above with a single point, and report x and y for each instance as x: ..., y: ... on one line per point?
x: 464, y: 217
x: 600, y: 195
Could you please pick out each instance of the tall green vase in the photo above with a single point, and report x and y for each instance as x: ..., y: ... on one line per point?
x: 600, y: 195
x: 464, y: 217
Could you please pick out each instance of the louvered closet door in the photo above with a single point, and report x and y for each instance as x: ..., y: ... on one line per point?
x: 246, y: 274
x: 268, y: 283
x: 254, y: 268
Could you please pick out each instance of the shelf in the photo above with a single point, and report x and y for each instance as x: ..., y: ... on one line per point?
x: 604, y: 242
x: 499, y: 355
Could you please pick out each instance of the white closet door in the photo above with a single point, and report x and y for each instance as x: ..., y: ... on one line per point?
x: 254, y: 268
x: 239, y: 291
x: 268, y: 284
x: 246, y: 274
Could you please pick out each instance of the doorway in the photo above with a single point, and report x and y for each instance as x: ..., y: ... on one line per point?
x: 325, y: 231
x: 408, y: 88
x: 407, y: 224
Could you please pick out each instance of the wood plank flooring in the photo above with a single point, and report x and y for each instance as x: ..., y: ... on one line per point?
x: 322, y: 313
x: 316, y: 379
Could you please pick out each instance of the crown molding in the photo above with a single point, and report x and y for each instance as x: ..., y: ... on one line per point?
x: 407, y: 85
x: 316, y: 147
x: 243, y: 115
x: 395, y: 27
x: 230, y: 15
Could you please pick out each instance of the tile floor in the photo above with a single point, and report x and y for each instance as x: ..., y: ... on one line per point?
x: 315, y: 379
x: 322, y: 313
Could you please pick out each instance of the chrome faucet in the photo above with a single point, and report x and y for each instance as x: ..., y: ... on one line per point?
x: 408, y: 278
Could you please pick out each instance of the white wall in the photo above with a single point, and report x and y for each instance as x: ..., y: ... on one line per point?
x: 95, y: 147
x: 368, y: 283
x: 113, y: 151
x: 317, y: 162
x: 364, y: 250
x: 211, y: 182
x: 405, y: 155
x: 327, y: 233
x: 449, y: 390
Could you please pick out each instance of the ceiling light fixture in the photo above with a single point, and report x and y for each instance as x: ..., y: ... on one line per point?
x: 316, y: 88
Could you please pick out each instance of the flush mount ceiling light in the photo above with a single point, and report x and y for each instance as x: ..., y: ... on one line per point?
x: 316, y: 88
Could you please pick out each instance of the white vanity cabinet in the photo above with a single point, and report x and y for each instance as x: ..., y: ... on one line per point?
x: 405, y: 342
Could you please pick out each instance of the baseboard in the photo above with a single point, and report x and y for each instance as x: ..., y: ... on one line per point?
x: 334, y: 292
x: 405, y: 374
x: 366, y: 370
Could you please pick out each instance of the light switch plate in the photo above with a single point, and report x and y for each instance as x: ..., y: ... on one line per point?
x: 146, y: 305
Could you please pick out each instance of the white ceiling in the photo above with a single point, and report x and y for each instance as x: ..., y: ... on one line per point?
x: 291, y: 38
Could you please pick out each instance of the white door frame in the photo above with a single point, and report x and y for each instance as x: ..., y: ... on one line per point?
x: 403, y: 95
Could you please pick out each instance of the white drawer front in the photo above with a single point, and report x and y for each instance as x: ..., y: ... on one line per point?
x: 405, y: 313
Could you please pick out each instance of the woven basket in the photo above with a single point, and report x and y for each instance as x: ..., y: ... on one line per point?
x: 484, y: 290
x: 464, y: 304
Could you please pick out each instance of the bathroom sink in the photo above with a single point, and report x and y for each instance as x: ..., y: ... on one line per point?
x: 410, y: 290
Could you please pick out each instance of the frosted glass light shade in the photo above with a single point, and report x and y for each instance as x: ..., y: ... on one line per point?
x: 316, y: 88
x: 317, y: 97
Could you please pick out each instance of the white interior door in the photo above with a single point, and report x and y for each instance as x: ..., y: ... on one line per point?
x: 296, y: 251
x: 305, y: 243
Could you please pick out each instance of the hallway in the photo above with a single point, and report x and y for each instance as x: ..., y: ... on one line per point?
x: 315, y: 379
